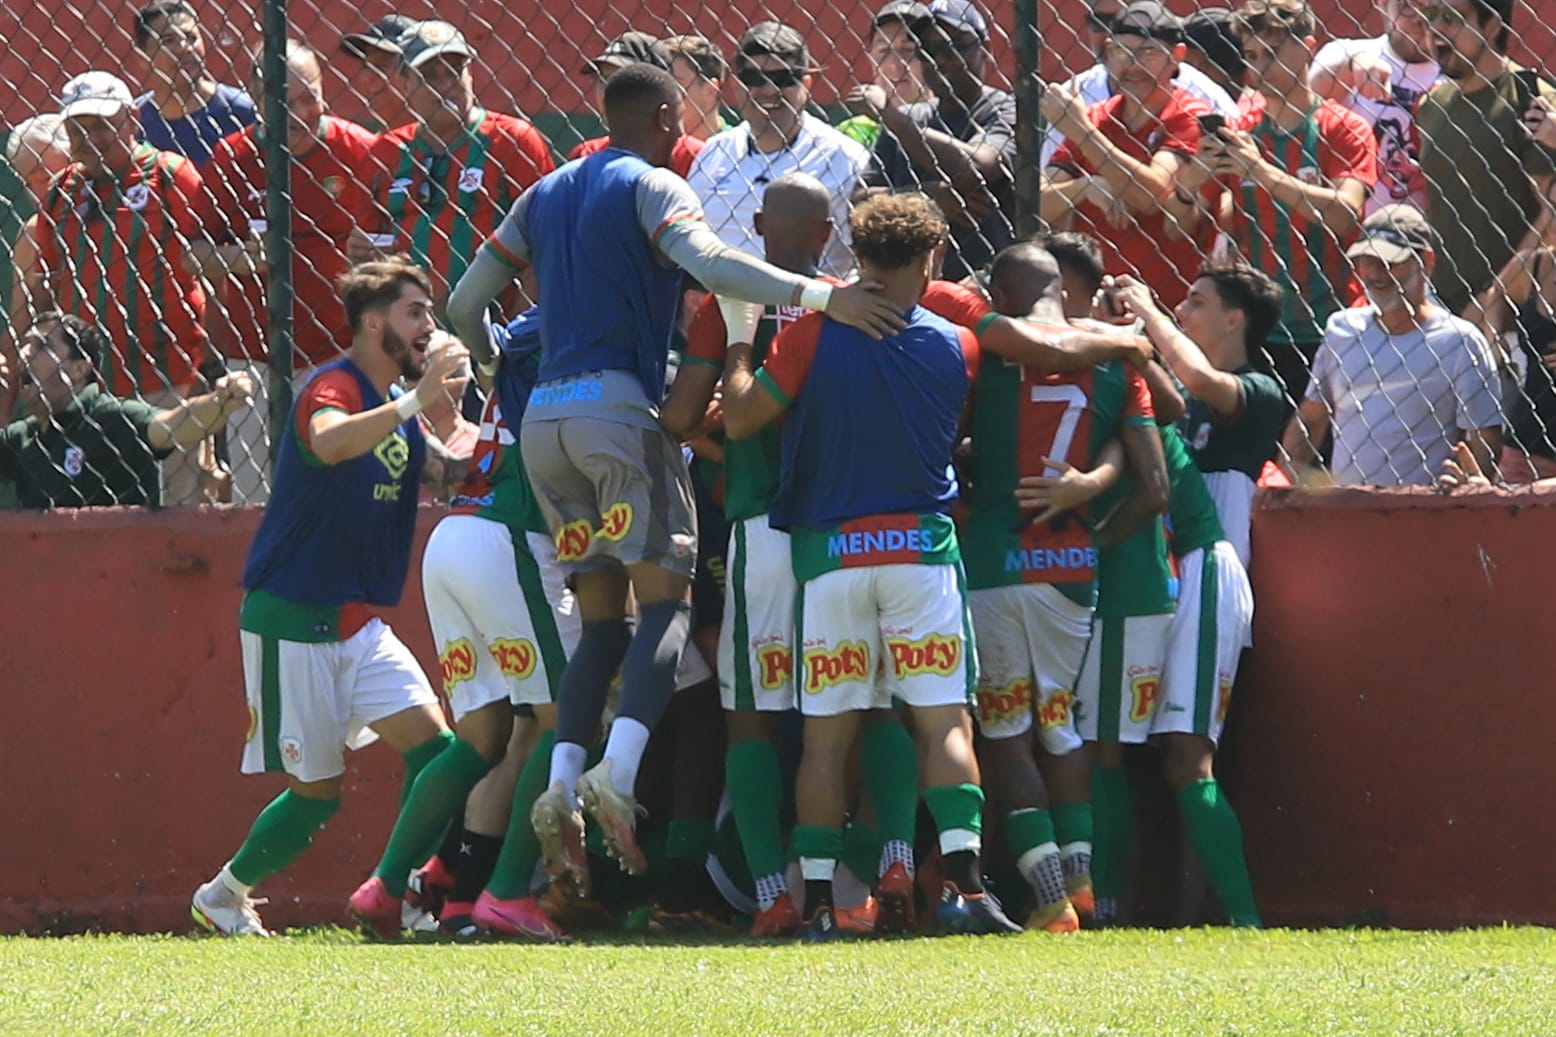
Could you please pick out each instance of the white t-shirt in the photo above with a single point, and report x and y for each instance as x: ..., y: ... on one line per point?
x: 1399, y: 402
x: 1093, y: 86
x: 730, y: 175
x: 1392, y: 121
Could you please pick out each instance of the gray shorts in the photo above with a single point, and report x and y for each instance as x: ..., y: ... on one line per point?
x: 612, y: 493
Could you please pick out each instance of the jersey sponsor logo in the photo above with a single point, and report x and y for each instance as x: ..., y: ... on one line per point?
x: 470, y: 179
x: 775, y: 664
x: 137, y: 196
x: 572, y: 541
x: 876, y: 541
x: 515, y: 656
x: 617, y: 522
x: 824, y: 667
x: 1054, y: 712
x: 1223, y: 699
x: 394, y: 453
x: 253, y: 724
x: 567, y: 392
x: 1042, y: 559
x: 458, y: 664
x: 930, y: 654
x: 1001, y: 705
x: 1144, y: 691
x: 75, y: 460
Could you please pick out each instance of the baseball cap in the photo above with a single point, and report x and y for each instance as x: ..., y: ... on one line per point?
x: 95, y: 93
x: 427, y: 40
x: 909, y: 12
x: 383, y: 35
x: 1209, y: 31
x: 779, y: 41
x: 631, y: 48
x: 1148, y: 18
x: 1393, y: 234
x: 961, y: 15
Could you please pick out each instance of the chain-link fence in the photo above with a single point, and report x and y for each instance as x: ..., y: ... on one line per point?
x: 1250, y: 141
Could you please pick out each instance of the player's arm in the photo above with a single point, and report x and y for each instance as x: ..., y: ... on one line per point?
x: 1060, y: 192
x: 754, y: 399
x: 1051, y: 350
x: 686, y: 404
x: 500, y: 259
x: 1220, y: 389
x: 443, y: 470
x: 1056, y: 494
x: 1304, y: 432
x: 1150, y: 488
x: 200, y: 417
x: 1166, y: 401
x: 336, y: 435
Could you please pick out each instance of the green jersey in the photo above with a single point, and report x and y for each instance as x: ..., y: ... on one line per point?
x: 1191, y: 513
x: 1133, y: 578
x: 92, y: 454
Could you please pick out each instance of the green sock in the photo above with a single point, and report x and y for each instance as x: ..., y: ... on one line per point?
x: 1114, y: 805
x: 520, y: 849
x: 439, y: 793
x: 688, y: 840
x: 1073, y: 830
x: 279, y: 835
x: 1026, y: 830
x: 754, y: 782
x: 957, y: 809
x: 861, y: 852
x: 888, y: 767
x: 1030, y: 835
x: 1218, y: 839
x: 417, y: 759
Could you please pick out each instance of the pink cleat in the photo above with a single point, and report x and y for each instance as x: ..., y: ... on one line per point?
x: 375, y: 909
x: 522, y: 918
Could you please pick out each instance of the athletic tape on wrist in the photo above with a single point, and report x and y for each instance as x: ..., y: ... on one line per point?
x: 815, y: 295
x: 407, y: 406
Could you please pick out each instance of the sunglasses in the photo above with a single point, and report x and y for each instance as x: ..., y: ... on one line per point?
x: 782, y: 79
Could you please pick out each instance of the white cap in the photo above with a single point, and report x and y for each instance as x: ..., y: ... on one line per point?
x: 95, y: 93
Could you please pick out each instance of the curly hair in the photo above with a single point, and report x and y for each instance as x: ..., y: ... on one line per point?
x: 1264, y: 18
x: 891, y: 231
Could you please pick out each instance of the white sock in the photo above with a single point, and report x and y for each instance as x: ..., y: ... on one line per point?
x: 231, y: 883
x: 624, y: 749
x: 567, y: 763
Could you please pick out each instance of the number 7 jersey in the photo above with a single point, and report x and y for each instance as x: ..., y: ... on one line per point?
x: 1020, y: 417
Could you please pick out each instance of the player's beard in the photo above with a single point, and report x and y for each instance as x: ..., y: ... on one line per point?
x: 411, y: 353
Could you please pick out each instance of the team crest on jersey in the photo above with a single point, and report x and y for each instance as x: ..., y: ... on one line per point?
x: 75, y: 460
x: 1310, y: 175
x: 333, y: 185
x: 137, y: 196
x: 1202, y: 436
x: 470, y: 179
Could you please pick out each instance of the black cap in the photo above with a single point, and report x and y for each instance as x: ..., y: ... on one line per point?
x: 383, y: 35
x: 779, y: 41
x: 1209, y: 31
x: 908, y: 12
x: 1148, y: 18
x: 631, y: 48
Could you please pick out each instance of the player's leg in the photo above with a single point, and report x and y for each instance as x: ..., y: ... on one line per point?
x: 931, y: 662
x: 888, y: 775
x: 1215, y: 609
x: 292, y: 730
x: 685, y: 900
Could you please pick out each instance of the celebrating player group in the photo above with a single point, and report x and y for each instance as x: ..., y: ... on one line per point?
x: 714, y: 621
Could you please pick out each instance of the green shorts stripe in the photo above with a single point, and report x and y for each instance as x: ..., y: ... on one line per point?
x: 270, y: 700
x: 969, y: 645
x: 1110, y: 678
x: 800, y: 676
x: 542, y: 619
x: 1205, y: 673
x: 745, y: 692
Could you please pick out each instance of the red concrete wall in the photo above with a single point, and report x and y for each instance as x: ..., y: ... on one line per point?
x: 1389, y: 751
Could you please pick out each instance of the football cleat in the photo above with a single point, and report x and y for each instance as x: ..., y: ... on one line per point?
x: 821, y: 927
x: 863, y: 919
x: 782, y: 919
x: 455, y: 920
x: 616, y: 814
x: 894, y: 895
x: 429, y: 885
x: 226, y: 913
x: 560, y: 828
x: 375, y: 909
x: 521, y: 918
x: 974, y: 913
x: 1058, y: 918
x: 698, y: 920
x: 1082, y: 897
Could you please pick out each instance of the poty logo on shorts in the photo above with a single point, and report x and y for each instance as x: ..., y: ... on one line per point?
x: 1055, y: 710
x: 458, y: 662
x: 776, y: 664
x: 617, y: 521
x: 849, y: 661
x: 1003, y: 704
x: 515, y: 657
x: 1143, y: 692
x: 1223, y: 699
x: 929, y: 654
x: 572, y: 541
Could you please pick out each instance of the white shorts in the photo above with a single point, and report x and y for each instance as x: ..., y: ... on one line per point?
x: 1215, y: 613
x: 756, y: 637
x: 1029, y: 635
x: 503, y: 622
x: 911, y: 621
x: 1121, y: 680
x: 310, y: 702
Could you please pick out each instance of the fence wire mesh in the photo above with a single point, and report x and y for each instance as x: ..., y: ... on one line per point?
x: 1268, y: 136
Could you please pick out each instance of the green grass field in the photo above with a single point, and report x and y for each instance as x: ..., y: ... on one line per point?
x: 1207, y: 983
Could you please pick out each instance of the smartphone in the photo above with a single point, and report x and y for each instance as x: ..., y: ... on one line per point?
x: 1211, y: 123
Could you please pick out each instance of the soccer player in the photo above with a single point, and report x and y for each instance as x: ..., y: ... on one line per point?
x: 321, y: 671
x: 865, y: 489
x: 609, y: 238
x: 1033, y: 581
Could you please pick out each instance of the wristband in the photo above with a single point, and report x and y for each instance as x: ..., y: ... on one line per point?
x: 407, y: 406
x: 815, y: 295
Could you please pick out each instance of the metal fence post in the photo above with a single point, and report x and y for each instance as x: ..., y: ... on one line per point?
x: 278, y: 214
x: 1029, y: 121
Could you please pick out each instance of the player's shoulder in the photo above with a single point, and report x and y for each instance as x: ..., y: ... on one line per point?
x: 342, y: 136
x: 1349, y: 324
x: 1335, y: 118
x: 514, y: 127
x: 332, y: 385
x: 1260, y: 387
x: 392, y: 141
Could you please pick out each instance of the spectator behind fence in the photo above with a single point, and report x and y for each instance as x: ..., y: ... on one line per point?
x: 1525, y: 306
x: 440, y: 186
x: 113, y: 234
x: 1213, y: 48
x: 1400, y: 380
x: 1488, y: 182
x: 1382, y: 79
x: 1295, y: 172
x: 374, y: 76
x: 1097, y: 83
x: 36, y: 150
x: 80, y: 447
x: 958, y: 149
x: 184, y: 110
x: 701, y: 70
x: 1122, y: 156
x: 897, y: 64
x: 631, y: 48
x: 328, y: 157
x: 778, y: 136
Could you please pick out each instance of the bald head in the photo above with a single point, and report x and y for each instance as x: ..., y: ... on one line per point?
x: 1022, y: 276
x: 795, y: 221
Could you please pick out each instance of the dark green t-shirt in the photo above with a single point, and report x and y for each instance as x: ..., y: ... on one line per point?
x: 94, y: 454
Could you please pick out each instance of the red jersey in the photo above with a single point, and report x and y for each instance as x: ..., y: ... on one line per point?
x: 326, y: 193
x: 113, y: 252
x: 956, y: 303
x: 681, y: 156
x: 1145, y: 248
x: 440, y: 206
